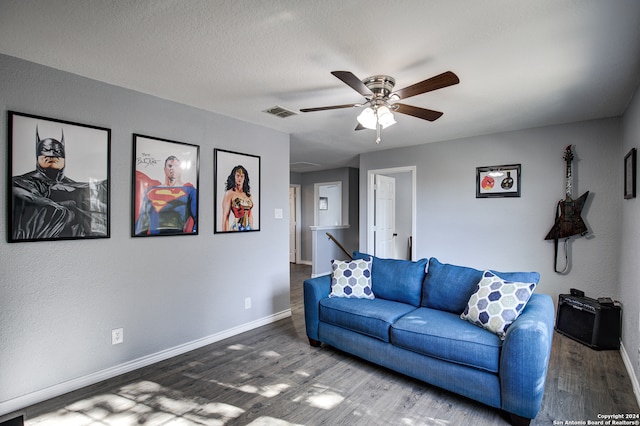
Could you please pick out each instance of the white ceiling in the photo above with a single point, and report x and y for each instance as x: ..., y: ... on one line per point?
x: 521, y: 63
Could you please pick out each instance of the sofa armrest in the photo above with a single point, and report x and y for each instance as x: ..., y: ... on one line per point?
x: 525, y: 357
x: 314, y: 290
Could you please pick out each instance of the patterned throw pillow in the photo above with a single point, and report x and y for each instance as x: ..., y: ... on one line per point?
x: 351, y: 279
x: 497, y: 303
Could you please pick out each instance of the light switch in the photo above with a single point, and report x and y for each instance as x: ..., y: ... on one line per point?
x: 278, y: 214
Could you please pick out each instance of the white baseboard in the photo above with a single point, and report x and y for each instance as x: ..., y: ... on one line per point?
x: 24, y: 401
x: 630, y: 371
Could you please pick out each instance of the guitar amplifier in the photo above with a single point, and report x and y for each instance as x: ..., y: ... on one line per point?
x: 589, y: 321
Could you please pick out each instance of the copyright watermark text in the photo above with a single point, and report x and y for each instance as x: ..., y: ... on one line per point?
x: 621, y: 419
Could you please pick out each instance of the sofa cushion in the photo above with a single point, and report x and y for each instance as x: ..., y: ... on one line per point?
x: 398, y: 280
x: 496, y: 303
x: 351, y: 279
x: 445, y: 336
x: 449, y: 287
x: 370, y: 317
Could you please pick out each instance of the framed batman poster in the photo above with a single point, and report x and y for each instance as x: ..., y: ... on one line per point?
x: 59, y: 179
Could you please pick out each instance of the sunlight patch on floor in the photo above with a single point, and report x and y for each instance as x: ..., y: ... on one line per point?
x: 427, y: 421
x: 268, y: 391
x: 139, y: 391
x: 321, y: 397
x: 227, y: 410
x: 100, y: 406
x: 270, y: 421
x: 179, y: 407
x: 61, y: 417
x: 143, y: 402
x: 238, y: 347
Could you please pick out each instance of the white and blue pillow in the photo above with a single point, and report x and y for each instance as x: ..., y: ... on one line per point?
x: 351, y: 279
x: 496, y: 303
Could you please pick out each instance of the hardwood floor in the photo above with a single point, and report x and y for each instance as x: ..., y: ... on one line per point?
x: 271, y: 376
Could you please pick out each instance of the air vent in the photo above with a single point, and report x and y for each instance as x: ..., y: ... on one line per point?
x: 279, y: 111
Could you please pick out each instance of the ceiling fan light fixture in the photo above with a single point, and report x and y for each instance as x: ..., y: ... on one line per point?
x: 367, y: 118
x: 370, y: 118
x: 385, y: 117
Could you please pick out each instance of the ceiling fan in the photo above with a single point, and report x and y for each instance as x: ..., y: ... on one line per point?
x: 381, y: 101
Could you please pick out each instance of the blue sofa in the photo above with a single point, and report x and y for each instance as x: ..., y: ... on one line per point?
x: 413, y: 326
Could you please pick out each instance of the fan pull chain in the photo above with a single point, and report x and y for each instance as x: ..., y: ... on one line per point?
x: 377, y: 132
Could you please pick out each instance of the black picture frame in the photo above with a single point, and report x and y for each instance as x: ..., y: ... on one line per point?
x: 58, y: 179
x: 241, y: 213
x: 498, y: 181
x: 165, y: 200
x: 630, y: 174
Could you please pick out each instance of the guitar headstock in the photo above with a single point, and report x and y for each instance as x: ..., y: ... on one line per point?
x: 568, y: 154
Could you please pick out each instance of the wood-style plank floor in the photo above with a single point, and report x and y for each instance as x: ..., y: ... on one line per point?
x: 271, y: 376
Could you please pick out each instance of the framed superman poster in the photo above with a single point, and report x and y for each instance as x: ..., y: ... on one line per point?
x: 165, y: 187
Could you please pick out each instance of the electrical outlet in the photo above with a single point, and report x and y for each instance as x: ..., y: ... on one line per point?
x: 117, y: 336
x: 247, y: 303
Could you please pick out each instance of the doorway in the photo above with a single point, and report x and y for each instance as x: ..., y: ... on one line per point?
x: 327, y: 205
x: 391, y: 208
x: 295, y: 219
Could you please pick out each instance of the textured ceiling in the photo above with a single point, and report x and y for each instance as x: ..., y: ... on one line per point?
x: 521, y: 64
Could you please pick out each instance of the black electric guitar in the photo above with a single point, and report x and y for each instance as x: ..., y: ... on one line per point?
x: 568, y: 220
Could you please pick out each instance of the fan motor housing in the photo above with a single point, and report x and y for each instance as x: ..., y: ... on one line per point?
x: 380, y: 85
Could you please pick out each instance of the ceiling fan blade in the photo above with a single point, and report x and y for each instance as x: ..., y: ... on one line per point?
x: 434, y: 83
x: 425, y: 114
x: 352, y: 81
x: 330, y: 107
x: 359, y: 127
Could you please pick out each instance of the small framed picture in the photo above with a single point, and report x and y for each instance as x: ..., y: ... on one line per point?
x: 323, y: 203
x: 165, y: 187
x: 237, y: 191
x: 59, y: 179
x: 630, y: 174
x: 498, y: 181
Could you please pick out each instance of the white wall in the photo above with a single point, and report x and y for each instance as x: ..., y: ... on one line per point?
x: 508, y: 233
x: 630, y: 248
x: 60, y: 300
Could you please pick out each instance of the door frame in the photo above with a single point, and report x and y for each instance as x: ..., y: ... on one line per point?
x: 298, y: 228
x: 371, y: 179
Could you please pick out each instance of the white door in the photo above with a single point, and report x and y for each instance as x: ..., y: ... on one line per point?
x: 385, y: 216
x: 292, y: 224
